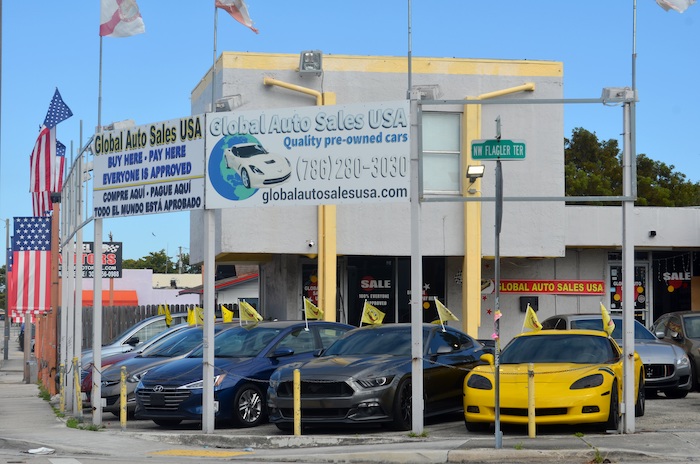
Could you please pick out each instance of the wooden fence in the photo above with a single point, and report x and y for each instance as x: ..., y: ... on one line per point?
x: 116, y: 319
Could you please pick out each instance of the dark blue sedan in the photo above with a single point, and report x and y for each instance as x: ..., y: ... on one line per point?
x: 245, y: 357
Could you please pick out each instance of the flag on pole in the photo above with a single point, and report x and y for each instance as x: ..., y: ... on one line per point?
x: 677, y: 5
x: 312, y: 311
x: 31, y: 267
x: 443, y: 313
x: 238, y: 10
x: 47, y: 161
x: 371, y: 315
x: 531, y: 321
x: 226, y: 314
x: 165, y: 311
x: 608, y: 324
x: 120, y: 18
x: 248, y: 313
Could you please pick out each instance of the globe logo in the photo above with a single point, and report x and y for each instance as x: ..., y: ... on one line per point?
x: 227, y: 182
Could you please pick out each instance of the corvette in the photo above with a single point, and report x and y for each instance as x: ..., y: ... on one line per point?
x: 256, y: 166
x: 578, y: 378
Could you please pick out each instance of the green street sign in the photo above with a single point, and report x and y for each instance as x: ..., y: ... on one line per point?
x: 498, y: 149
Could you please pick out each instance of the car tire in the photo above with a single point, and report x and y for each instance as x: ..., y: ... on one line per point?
x: 613, y: 422
x: 476, y: 426
x: 245, y: 178
x: 403, y: 405
x: 640, y: 404
x: 248, y: 406
x: 167, y: 422
x: 675, y: 393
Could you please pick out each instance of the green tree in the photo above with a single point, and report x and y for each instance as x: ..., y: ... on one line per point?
x: 3, y: 286
x: 161, y: 263
x: 594, y: 168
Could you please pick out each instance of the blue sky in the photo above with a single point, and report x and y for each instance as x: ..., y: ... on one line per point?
x: 149, y: 77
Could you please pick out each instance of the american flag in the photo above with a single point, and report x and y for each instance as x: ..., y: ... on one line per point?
x: 31, y: 264
x: 46, y: 170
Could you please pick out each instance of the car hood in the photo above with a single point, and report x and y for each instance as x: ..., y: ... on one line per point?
x: 342, y: 367
x: 187, y: 370
x: 134, y: 365
x: 657, y: 351
x: 550, y: 373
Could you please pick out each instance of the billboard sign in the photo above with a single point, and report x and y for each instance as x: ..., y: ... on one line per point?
x: 314, y: 155
x: 155, y: 168
x: 111, y: 260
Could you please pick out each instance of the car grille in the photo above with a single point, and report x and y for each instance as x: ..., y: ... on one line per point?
x: 538, y: 412
x: 658, y: 371
x: 167, y: 400
x: 317, y: 413
x: 276, y: 181
x: 316, y: 389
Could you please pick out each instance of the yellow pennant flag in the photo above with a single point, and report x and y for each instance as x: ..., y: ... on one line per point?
x: 371, y: 315
x: 248, y: 313
x: 531, y: 321
x: 312, y: 311
x: 444, y: 313
x: 161, y: 310
x: 191, y: 318
x: 608, y: 324
x: 226, y: 314
x: 168, y: 316
x: 199, y: 314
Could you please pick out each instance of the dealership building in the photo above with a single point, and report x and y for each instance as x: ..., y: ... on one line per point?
x: 559, y: 258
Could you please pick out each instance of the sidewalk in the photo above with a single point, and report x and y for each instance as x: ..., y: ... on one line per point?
x: 28, y: 422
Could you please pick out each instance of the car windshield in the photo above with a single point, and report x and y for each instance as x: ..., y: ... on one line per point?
x: 640, y: 332
x: 248, y: 151
x: 692, y: 326
x: 564, y: 348
x: 371, y: 341
x: 241, y: 342
x: 177, y: 344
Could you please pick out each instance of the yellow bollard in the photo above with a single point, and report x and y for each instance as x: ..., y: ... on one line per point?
x: 61, y: 379
x: 122, y: 398
x: 531, y: 400
x: 76, y: 383
x: 297, y: 403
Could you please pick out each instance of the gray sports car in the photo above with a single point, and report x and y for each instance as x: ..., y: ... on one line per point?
x: 365, y: 377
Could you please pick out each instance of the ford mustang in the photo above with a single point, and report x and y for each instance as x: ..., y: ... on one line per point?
x: 577, y: 376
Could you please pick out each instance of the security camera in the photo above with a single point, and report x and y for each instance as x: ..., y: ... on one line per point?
x: 310, y: 243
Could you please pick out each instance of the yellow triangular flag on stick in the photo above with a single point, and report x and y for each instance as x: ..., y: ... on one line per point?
x: 371, y: 315
x: 312, y: 311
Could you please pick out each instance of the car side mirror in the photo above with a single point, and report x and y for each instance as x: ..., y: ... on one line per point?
x: 133, y: 341
x: 676, y: 336
x: 488, y: 359
x: 282, y: 352
x: 444, y: 349
x: 659, y: 334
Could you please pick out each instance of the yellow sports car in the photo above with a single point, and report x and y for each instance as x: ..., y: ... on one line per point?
x: 577, y: 375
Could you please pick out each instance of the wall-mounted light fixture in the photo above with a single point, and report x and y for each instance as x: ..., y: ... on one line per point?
x: 310, y: 62
x: 475, y: 172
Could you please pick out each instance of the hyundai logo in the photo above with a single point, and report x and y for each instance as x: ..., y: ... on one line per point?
x: 158, y: 388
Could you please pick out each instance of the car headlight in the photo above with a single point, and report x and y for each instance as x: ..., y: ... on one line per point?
x: 135, y: 378
x: 256, y: 170
x: 479, y: 382
x: 375, y: 381
x: 274, y: 383
x: 683, y: 361
x: 200, y: 383
x: 587, y: 382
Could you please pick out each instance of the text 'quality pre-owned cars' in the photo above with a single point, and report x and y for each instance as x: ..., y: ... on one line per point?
x: 365, y: 377
x: 244, y: 358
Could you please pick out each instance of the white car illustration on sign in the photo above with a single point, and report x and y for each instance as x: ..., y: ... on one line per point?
x: 256, y: 166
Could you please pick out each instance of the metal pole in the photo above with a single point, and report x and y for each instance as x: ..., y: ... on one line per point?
x: 628, y: 301
x: 7, y: 285
x: 497, y: 307
x: 416, y: 274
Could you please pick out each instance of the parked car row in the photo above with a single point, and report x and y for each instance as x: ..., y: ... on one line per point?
x: 363, y: 375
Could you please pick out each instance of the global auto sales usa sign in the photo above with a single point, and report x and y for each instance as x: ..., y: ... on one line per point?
x: 309, y: 156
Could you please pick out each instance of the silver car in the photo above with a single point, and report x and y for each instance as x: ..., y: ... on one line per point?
x: 666, y: 366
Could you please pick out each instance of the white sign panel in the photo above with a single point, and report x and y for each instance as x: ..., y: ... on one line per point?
x: 155, y: 168
x: 314, y: 155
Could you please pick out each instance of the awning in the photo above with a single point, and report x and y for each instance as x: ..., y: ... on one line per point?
x: 119, y: 297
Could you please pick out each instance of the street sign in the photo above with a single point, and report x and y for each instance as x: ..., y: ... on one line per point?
x: 498, y: 149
